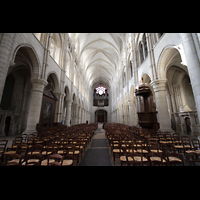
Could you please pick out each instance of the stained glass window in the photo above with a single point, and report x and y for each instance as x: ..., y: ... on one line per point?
x: 100, y: 90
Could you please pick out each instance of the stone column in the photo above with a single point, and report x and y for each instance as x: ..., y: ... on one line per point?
x: 57, y: 110
x: 125, y: 115
x: 81, y: 116
x: 161, y: 104
x: 25, y: 107
x: 73, y: 114
x: 193, y: 67
x: 194, y: 130
x: 79, y: 119
x: 62, y: 109
x: 76, y: 114
x: 35, y: 104
x: 117, y: 115
x: 132, y: 121
x: 68, y: 114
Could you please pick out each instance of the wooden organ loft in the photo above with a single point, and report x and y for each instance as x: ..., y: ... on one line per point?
x: 100, y: 100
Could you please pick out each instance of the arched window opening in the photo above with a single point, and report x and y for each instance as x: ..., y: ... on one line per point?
x: 141, y: 52
x: 55, y: 47
x: 145, y: 46
x: 131, y: 68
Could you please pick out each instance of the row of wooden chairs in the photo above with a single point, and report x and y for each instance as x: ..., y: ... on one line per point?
x: 171, y: 147
x: 139, y: 153
x: 57, y: 147
x: 36, y: 160
x: 69, y: 145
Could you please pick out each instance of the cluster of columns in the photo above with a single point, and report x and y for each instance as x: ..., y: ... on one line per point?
x: 128, y: 117
x: 71, y: 113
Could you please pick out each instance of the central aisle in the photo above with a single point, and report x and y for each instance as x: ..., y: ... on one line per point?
x: 98, y: 153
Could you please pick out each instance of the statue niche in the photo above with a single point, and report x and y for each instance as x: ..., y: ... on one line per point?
x: 147, y: 109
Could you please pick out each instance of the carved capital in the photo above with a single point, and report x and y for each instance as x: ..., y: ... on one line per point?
x: 38, y: 84
x: 159, y: 85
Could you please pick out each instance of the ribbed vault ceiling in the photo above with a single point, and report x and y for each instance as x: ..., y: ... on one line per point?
x: 100, y: 53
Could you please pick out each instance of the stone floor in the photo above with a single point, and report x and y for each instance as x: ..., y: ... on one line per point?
x: 98, y: 153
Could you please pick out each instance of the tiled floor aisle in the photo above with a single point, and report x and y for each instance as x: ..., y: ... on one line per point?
x: 98, y: 152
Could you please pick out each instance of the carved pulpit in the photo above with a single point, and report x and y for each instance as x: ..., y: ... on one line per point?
x: 147, y: 109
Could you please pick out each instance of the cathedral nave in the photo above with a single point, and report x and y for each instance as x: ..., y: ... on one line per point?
x: 56, y: 82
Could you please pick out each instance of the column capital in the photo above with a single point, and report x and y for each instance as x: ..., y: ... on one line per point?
x: 38, y: 84
x: 58, y: 94
x: 69, y: 102
x: 159, y: 85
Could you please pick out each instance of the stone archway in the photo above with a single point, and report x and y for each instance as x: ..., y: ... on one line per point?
x: 101, y: 116
x: 16, y: 96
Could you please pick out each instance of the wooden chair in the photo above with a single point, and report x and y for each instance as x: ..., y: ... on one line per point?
x: 141, y: 147
x: 13, y: 160
x: 33, y: 160
x: 23, y: 151
x: 176, y: 139
x: 3, y: 144
x: 11, y: 150
x: 14, y: 145
x: 187, y: 148
x: 116, y: 150
x: 24, y: 137
x: 50, y: 149
x: 126, y: 148
x: 67, y: 160
x: 156, y: 159
x: 168, y: 136
x: 36, y: 149
x: 60, y: 145
x: 39, y: 141
x: 30, y: 141
x: 18, y: 139
x: 167, y: 148
x: 78, y: 149
x: 153, y: 145
x: 192, y: 158
x: 136, y: 158
x: 58, y: 160
x: 174, y: 159
x: 185, y: 139
x: 196, y: 144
